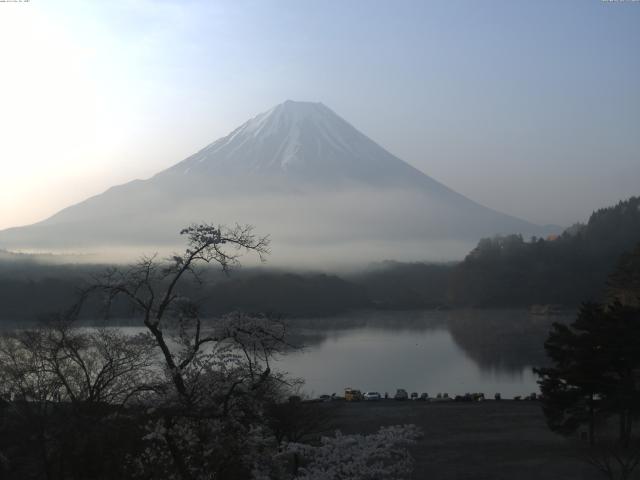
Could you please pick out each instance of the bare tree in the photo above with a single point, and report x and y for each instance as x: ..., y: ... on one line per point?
x: 219, y: 376
x: 153, y: 287
x: 59, y: 362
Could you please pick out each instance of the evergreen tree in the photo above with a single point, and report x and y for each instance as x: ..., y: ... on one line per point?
x: 573, y: 386
x: 595, y: 371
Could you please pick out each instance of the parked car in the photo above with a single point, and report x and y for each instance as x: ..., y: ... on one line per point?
x: 352, y: 395
x: 325, y: 398
x: 414, y: 395
x: 401, y: 394
x: 372, y: 396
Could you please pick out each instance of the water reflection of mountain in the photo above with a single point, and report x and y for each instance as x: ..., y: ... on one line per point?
x: 495, y: 339
x: 503, y: 340
x: 310, y: 332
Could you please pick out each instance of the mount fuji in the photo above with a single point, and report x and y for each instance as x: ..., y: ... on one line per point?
x: 299, y: 172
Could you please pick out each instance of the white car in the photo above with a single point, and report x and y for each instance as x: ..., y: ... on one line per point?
x: 372, y: 396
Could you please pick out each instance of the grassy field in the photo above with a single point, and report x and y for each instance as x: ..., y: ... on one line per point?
x: 485, y: 440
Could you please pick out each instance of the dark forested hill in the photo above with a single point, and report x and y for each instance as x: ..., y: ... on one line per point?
x: 567, y: 269
x: 624, y: 284
x: 286, y: 293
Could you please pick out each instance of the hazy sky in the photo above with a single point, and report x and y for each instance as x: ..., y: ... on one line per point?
x: 532, y: 108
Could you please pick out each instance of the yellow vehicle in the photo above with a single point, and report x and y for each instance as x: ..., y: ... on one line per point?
x: 351, y: 395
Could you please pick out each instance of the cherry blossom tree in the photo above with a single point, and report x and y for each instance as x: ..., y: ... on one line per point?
x: 382, y: 455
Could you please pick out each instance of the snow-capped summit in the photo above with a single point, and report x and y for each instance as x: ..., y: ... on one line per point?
x: 297, y: 139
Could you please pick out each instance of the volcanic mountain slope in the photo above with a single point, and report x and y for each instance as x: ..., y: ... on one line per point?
x: 300, y: 172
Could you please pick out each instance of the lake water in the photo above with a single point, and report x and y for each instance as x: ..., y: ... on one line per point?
x: 455, y: 352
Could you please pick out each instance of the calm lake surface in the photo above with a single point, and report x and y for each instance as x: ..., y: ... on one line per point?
x: 455, y: 352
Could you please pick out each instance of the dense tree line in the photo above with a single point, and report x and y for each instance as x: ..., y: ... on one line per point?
x: 624, y: 284
x: 509, y: 271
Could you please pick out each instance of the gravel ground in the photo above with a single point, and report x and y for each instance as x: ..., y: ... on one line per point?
x: 485, y: 440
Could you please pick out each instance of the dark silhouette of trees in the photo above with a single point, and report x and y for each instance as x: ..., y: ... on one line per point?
x: 595, y: 372
x: 566, y: 270
x: 624, y: 284
x: 594, y: 379
x: 573, y: 386
x: 66, y: 393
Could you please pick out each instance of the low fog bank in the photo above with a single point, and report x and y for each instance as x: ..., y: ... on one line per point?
x: 315, y: 229
x: 343, y: 258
